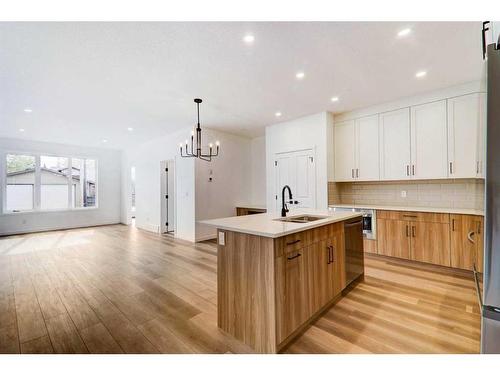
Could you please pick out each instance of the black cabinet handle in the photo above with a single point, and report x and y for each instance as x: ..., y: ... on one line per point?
x: 407, y: 231
x: 413, y: 231
x: 295, y: 256
x: 333, y: 258
x: 292, y: 243
x: 328, y: 251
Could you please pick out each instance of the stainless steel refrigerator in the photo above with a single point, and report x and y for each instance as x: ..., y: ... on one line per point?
x: 490, y: 330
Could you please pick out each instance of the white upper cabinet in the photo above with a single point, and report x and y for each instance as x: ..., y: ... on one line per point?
x: 357, y: 150
x: 367, y: 148
x: 345, y: 154
x: 466, y: 136
x: 429, y: 151
x: 395, y: 154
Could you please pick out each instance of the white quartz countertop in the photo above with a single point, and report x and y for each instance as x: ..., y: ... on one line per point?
x: 463, y: 211
x: 265, y: 224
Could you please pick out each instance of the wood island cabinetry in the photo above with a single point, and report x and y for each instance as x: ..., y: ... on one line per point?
x: 271, y: 288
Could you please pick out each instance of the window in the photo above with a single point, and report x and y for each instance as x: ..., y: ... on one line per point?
x: 54, y: 182
x: 20, y: 182
x: 44, y: 182
x: 84, y: 172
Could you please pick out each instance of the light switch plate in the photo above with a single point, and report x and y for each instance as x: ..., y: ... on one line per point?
x: 403, y: 193
x: 222, y: 238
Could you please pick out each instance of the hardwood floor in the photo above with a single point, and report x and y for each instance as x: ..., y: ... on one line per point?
x: 116, y: 289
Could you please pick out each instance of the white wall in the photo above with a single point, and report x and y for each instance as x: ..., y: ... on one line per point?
x: 196, y: 198
x: 258, y: 169
x: 146, y: 159
x: 231, y: 180
x: 109, y: 185
x: 310, y: 132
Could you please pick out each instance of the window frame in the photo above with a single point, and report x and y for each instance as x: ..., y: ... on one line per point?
x: 37, y: 185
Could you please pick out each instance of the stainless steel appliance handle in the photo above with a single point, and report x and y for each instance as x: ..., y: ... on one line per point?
x: 478, y: 289
x: 354, y: 223
x: 407, y: 169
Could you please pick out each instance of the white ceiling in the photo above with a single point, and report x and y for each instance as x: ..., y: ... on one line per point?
x: 89, y: 81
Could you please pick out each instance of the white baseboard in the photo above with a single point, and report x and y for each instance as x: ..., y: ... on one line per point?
x: 57, y: 227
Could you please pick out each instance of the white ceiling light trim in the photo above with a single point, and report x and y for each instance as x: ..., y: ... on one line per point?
x: 404, y: 32
x: 249, y: 39
x: 335, y: 99
x: 421, y: 74
x: 28, y: 110
x: 300, y: 75
x: 278, y: 114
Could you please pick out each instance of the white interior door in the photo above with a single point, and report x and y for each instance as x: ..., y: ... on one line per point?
x: 367, y: 148
x: 297, y: 170
x: 429, y: 150
x: 395, y: 144
x: 345, y: 155
x: 463, y: 135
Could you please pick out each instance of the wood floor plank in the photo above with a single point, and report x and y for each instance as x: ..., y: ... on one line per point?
x: 115, y: 289
x: 9, y: 340
x: 99, y: 341
x: 64, y: 335
x: 130, y: 339
x: 41, y: 345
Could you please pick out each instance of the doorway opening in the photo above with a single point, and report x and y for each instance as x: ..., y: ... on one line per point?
x: 168, y: 213
x: 132, y: 196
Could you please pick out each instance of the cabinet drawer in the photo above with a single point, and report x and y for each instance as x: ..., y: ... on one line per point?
x: 291, y: 242
x: 429, y: 217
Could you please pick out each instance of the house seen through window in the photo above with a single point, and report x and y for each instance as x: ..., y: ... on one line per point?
x: 49, y: 183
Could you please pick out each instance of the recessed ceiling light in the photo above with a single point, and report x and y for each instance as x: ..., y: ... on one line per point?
x: 278, y: 114
x: 104, y: 140
x: 28, y: 110
x: 300, y: 75
x: 335, y: 99
x: 130, y: 129
x: 21, y: 130
x: 404, y: 32
x: 249, y: 39
x: 421, y: 74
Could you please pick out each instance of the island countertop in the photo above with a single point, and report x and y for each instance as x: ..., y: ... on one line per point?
x: 266, y: 225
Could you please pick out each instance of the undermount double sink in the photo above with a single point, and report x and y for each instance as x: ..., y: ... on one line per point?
x: 301, y: 218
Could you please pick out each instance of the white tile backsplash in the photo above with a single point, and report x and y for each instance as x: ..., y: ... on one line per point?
x: 461, y: 193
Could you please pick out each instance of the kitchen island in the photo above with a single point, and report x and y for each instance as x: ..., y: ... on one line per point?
x: 275, y: 276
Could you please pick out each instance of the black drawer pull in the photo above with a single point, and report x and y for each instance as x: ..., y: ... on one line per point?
x: 292, y: 243
x: 295, y: 256
x: 410, y: 216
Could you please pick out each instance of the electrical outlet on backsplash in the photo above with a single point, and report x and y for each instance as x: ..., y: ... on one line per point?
x: 460, y: 193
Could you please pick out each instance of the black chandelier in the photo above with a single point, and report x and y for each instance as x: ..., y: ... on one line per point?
x: 196, y: 152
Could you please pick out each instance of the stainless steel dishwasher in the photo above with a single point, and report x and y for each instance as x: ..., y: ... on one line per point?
x: 354, y: 257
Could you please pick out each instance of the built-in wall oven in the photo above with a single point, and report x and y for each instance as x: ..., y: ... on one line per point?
x: 369, y: 219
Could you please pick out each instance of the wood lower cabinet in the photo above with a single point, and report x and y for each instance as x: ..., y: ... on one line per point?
x: 430, y: 243
x: 307, y: 279
x: 292, y: 279
x: 393, y: 238
x: 467, y: 242
x: 444, y: 239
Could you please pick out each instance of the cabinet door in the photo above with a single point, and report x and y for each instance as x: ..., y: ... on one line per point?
x: 429, y: 153
x: 320, y: 275
x: 367, y: 149
x: 293, y: 306
x: 345, y: 145
x: 395, y: 145
x: 393, y: 238
x: 463, y: 248
x: 430, y: 243
x: 464, y: 140
x: 338, y: 260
